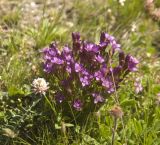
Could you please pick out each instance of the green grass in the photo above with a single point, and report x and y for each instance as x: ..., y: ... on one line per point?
x: 26, y: 28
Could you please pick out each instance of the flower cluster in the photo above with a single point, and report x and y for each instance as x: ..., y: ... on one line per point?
x: 87, y: 69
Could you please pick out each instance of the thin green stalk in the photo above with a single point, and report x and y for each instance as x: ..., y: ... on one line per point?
x: 114, y: 130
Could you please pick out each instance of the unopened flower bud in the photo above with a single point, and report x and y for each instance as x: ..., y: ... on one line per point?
x: 116, y: 112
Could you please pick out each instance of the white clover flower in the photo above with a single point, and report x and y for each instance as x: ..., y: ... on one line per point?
x: 122, y: 2
x: 40, y: 85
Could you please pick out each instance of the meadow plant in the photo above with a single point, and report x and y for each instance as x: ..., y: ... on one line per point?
x: 40, y: 86
x: 86, y: 74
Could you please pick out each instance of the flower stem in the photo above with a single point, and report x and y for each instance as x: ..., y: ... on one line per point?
x: 114, y: 130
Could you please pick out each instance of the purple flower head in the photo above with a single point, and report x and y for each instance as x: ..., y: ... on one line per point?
x: 116, y: 70
x: 53, y: 49
x: 67, y: 50
x: 48, y: 67
x: 131, y: 63
x: 101, y: 73
x: 76, y: 41
x: 67, y: 54
x: 108, y: 85
x: 50, y: 52
x: 115, y: 45
x: 78, y: 67
x: 97, y: 98
x: 59, y: 97
x: 99, y: 59
x: 68, y: 69
x: 91, y: 47
x: 98, y: 75
x: 57, y: 60
x: 111, y: 90
x: 75, y: 37
x: 77, y: 104
x: 85, y: 81
x: 106, y: 39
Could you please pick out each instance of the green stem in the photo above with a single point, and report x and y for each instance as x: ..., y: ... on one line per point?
x: 114, y: 130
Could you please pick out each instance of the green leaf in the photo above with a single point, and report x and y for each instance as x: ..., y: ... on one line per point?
x: 57, y: 126
x: 128, y: 103
x: 1, y: 115
x: 69, y: 125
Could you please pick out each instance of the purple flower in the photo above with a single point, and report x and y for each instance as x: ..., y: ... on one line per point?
x: 76, y: 41
x: 99, y: 59
x: 101, y: 73
x: 115, y: 45
x: 77, y: 104
x: 108, y: 84
x: 110, y: 90
x: 75, y: 36
x: 116, y: 70
x: 131, y: 63
x: 57, y: 60
x: 107, y: 39
x: 78, y: 67
x: 90, y: 47
x: 59, y: 97
x: 85, y: 81
x: 68, y: 69
x: 97, y: 98
x: 98, y: 75
x: 67, y: 54
x: 48, y: 67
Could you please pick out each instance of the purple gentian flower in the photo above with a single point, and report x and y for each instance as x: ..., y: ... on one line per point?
x: 90, y: 47
x: 115, y: 45
x: 97, y: 98
x: 84, y: 81
x: 77, y: 104
x: 59, y: 97
x: 108, y: 84
x: 57, y: 60
x: 78, y: 67
x: 48, y: 67
x: 132, y: 63
x: 75, y: 36
x: 99, y: 59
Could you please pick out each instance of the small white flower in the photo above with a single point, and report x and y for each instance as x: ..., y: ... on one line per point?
x: 138, y: 86
x: 122, y: 2
x: 133, y: 27
x: 40, y: 85
x: 109, y: 10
